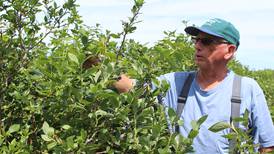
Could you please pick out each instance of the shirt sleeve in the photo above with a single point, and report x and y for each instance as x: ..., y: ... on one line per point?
x: 263, y: 124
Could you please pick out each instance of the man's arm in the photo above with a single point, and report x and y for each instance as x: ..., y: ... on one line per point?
x: 262, y: 120
x: 266, y: 150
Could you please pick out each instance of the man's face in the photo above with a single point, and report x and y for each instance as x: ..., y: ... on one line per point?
x: 210, y: 51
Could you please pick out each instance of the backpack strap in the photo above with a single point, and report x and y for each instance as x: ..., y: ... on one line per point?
x: 235, y: 105
x: 183, y: 96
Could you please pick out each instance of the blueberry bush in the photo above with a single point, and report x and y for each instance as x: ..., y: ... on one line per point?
x: 56, y: 81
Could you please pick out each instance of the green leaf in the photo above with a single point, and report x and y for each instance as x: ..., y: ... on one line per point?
x: 46, y: 138
x: 193, y: 133
x: 238, y: 119
x: 115, y: 35
x: 132, y: 29
x: 164, y: 151
x: 101, y: 113
x: 14, y: 128
x: 47, y: 129
x: 66, y: 127
x: 139, y: 3
x: 97, y: 75
x: 55, y: 5
x: 246, y: 114
x: 70, y: 142
x: 202, y: 120
x: 180, y: 122
x: 194, y: 125
x: 171, y: 112
x: 156, y: 129
x: 134, y: 9
x: 219, y: 126
x: 230, y: 135
x: 84, y: 40
x: 45, y: 18
x: 73, y: 58
x: 51, y: 145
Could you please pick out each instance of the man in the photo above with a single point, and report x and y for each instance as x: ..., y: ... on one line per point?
x: 215, y: 42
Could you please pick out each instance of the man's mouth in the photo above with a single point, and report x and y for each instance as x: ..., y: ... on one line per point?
x: 198, y: 56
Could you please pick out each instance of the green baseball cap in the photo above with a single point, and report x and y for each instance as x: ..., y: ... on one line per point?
x: 217, y: 27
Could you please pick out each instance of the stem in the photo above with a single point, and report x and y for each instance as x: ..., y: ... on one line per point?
x: 169, y: 140
x: 233, y: 128
x: 50, y: 31
x: 1, y: 100
x: 126, y: 32
x: 135, y: 130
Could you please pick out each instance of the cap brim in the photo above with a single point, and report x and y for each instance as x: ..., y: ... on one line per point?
x: 194, y: 31
x: 191, y: 30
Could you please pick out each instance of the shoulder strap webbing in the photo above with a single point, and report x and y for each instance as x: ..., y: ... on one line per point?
x: 236, y: 98
x: 183, y: 97
x: 235, y: 105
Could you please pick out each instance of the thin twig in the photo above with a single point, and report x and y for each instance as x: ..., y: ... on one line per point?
x: 126, y: 31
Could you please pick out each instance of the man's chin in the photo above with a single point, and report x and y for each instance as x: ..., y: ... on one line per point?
x: 201, y: 64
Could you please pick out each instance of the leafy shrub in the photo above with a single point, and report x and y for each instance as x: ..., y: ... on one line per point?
x: 56, y: 77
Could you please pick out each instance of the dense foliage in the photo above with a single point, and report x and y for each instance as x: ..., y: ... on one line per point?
x: 56, y: 84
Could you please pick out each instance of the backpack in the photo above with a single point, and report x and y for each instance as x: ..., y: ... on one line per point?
x: 235, y: 100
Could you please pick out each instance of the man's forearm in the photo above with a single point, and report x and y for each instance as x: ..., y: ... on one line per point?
x: 266, y: 149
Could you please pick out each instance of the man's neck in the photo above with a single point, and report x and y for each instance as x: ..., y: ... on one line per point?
x: 208, y: 79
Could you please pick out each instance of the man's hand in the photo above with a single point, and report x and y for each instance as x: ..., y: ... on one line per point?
x: 124, y: 84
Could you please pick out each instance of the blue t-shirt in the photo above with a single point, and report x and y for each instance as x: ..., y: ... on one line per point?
x: 217, y: 105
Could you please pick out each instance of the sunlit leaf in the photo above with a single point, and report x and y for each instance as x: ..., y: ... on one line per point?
x: 219, y: 126
x: 47, y: 129
x: 14, y: 128
x: 73, y: 58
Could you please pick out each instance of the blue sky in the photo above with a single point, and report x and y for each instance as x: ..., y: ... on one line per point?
x: 253, y: 18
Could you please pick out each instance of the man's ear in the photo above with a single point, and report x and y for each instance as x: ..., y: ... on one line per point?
x: 230, y: 52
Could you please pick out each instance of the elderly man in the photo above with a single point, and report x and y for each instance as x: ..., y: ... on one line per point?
x: 211, y: 90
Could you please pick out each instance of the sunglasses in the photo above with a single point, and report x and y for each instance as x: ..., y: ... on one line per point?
x: 208, y: 41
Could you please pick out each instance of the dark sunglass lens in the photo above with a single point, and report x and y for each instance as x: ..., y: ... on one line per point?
x: 206, y: 41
